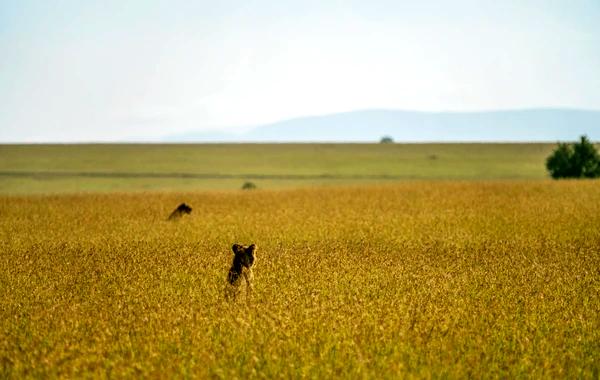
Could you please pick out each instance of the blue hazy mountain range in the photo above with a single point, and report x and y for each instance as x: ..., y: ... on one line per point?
x: 542, y: 124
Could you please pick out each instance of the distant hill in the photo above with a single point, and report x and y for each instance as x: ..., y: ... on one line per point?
x: 543, y: 124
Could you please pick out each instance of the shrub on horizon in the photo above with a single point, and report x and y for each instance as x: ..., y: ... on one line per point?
x: 578, y: 160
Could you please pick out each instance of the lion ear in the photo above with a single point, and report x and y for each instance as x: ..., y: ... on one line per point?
x: 251, y: 248
x: 235, y: 248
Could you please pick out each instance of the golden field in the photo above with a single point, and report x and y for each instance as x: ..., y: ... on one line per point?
x: 481, y: 279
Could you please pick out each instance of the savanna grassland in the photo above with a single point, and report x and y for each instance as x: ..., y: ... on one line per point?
x: 43, y: 169
x: 480, y: 279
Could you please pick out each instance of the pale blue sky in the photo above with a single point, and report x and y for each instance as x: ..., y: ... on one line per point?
x: 114, y: 70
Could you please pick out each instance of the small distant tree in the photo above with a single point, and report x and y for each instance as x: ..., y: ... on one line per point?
x: 586, y: 161
x: 559, y: 163
x: 579, y: 160
x: 386, y: 140
x: 248, y: 186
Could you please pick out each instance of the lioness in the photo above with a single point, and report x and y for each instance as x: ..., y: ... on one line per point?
x: 179, y: 211
x: 244, y: 259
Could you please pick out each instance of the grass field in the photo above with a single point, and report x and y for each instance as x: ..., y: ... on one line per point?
x: 419, y: 260
x: 35, y: 169
x: 478, y: 279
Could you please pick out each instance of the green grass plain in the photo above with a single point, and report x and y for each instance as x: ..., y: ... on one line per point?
x: 27, y: 169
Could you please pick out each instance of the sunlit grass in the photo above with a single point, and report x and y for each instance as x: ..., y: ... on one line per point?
x: 427, y: 279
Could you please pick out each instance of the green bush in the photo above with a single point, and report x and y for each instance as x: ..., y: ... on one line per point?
x: 578, y: 160
x: 248, y: 186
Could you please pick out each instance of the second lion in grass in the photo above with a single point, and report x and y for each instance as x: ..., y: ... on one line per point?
x: 244, y: 259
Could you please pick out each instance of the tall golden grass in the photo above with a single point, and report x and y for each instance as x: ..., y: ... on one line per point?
x: 420, y: 279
